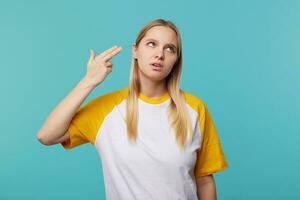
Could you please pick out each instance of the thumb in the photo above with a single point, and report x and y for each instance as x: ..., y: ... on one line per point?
x: 92, y: 55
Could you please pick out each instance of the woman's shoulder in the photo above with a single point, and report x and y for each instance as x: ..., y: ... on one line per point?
x: 120, y: 93
x: 194, y: 100
x: 109, y: 98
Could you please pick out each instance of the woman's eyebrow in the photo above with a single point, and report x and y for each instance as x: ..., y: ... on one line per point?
x: 156, y: 41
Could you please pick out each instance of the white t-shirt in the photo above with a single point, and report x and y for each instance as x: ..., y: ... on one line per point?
x: 154, y: 167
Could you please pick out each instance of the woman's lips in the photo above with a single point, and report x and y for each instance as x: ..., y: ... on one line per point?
x: 157, y: 64
x: 156, y: 68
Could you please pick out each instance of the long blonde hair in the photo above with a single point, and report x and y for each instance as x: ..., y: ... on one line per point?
x: 177, y: 111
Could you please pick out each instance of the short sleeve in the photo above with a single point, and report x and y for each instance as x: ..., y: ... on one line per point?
x: 83, y: 127
x: 210, y: 156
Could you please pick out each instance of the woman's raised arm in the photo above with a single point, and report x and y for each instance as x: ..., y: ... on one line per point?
x: 57, y: 123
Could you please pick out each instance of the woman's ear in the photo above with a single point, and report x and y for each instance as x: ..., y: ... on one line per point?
x: 134, y: 51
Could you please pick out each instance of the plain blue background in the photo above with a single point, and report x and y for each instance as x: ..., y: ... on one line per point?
x: 240, y: 57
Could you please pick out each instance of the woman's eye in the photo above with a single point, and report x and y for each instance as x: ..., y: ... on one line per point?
x: 150, y: 42
x: 172, y: 49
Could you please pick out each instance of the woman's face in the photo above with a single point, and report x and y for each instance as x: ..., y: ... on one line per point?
x: 159, y: 45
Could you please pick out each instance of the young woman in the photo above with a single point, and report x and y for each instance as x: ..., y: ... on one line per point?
x: 155, y: 140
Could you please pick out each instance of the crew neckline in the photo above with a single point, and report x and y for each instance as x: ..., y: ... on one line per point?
x: 155, y: 100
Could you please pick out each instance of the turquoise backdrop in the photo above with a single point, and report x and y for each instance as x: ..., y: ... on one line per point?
x: 240, y: 57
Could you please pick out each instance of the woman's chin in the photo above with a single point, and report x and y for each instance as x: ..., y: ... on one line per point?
x: 153, y: 75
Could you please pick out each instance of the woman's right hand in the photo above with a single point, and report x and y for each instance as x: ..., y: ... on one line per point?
x: 98, y: 67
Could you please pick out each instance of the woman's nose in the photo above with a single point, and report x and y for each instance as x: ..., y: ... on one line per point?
x: 159, y: 53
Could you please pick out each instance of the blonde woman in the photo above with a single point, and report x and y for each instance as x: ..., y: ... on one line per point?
x: 155, y: 140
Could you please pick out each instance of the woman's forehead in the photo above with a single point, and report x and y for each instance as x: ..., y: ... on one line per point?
x: 161, y: 34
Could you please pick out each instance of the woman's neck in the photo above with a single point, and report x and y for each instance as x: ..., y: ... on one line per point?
x: 153, y: 89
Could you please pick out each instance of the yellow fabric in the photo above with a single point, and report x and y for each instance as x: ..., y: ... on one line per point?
x: 210, y: 157
x: 85, y: 124
x: 156, y: 100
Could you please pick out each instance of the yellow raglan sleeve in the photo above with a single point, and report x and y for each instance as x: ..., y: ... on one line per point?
x: 84, y: 126
x: 210, y: 156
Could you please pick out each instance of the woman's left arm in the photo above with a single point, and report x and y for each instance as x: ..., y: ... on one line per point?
x: 206, y: 188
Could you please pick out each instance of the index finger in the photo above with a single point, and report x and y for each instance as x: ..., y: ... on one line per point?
x: 111, y: 54
x: 108, y: 51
